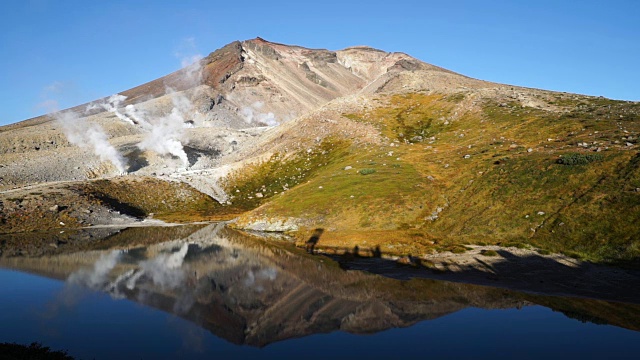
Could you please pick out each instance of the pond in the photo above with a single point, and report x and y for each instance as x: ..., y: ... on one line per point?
x: 206, y: 291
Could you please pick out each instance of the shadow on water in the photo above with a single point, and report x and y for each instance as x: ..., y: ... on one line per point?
x: 530, y: 273
x: 251, y: 291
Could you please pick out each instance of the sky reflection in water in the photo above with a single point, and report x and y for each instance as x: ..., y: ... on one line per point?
x: 215, y: 295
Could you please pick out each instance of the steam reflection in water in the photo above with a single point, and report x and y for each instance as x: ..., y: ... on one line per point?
x: 228, y: 288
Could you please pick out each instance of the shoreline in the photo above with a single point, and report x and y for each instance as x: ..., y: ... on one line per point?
x: 511, y: 268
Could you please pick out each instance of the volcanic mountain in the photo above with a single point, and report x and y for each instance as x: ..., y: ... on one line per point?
x: 379, y: 150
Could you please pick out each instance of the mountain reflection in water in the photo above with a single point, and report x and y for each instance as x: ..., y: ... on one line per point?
x: 255, y: 292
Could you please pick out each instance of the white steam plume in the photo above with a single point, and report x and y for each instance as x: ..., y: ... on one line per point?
x: 251, y: 114
x: 137, y: 116
x: 165, y: 134
x: 190, y: 62
x: 111, y: 105
x: 164, y: 137
x: 86, y: 135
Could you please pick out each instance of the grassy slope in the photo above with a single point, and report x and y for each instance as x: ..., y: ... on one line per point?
x: 471, y: 178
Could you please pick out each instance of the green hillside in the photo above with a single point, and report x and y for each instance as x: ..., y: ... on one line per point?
x: 565, y: 179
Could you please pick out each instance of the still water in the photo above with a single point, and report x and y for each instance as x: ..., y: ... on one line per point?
x: 206, y: 292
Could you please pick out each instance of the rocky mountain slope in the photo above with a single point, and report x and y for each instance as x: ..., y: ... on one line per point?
x: 377, y: 149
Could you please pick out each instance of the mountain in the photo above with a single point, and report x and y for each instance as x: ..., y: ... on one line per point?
x: 377, y: 149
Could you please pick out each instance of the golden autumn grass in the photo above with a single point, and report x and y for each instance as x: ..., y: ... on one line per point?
x: 485, y: 176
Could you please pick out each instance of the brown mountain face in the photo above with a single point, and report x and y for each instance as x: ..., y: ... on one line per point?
x: 257, y: 70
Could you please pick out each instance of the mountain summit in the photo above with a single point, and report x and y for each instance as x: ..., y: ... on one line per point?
x: 377, y: 149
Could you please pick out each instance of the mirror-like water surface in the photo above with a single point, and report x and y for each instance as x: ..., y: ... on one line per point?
x: 206, y: 291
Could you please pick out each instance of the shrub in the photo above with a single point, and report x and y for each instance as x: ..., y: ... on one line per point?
x: 458, y: 250
x: 367, y: 171
x: 579, y: 159
x: 33, y: 351
x: 516, y: 245
x: 573, y: 254
x: 489, y: 253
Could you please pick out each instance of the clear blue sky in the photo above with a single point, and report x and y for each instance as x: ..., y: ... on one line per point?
x: 75, y: 51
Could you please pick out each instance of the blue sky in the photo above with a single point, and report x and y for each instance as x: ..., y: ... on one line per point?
x: 76, y: 51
